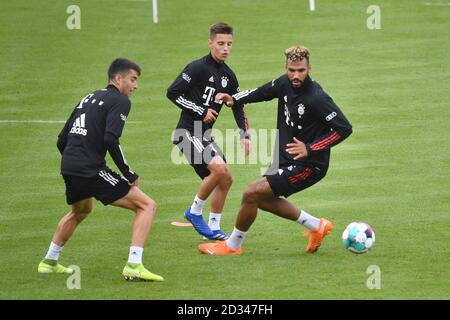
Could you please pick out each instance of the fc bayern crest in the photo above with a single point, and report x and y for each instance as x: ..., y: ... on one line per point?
x: 224, y: 82
x: 301, y: 109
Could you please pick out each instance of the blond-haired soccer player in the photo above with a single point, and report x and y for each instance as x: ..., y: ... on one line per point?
x: 309, y: 124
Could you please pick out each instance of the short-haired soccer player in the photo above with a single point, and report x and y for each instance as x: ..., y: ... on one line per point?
x: 309, y: 124
x: 193, y: 91
x: 94, y: 128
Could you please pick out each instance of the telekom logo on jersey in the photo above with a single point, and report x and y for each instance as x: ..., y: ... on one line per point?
x: 79, y: 125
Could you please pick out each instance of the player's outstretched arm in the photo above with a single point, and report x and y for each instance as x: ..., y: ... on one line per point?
x: 224, y: 98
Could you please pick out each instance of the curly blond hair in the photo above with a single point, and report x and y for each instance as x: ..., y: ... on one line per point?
x: 296, y: 53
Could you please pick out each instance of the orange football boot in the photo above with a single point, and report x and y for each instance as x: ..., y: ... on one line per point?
x: 218, y: 248
x: 316, y: 237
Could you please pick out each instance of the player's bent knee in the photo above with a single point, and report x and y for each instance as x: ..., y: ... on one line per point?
x: 81, y: 210
x: 227, y: 179
x: 220, y: 170
x: 250, y: 195
x: 151, y: 206
x: 147, y: 204
x: 80, y: 215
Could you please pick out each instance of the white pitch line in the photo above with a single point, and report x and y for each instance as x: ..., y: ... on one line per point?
x: 44, y: 121
x: 32, y: 121
x: 437, y: 3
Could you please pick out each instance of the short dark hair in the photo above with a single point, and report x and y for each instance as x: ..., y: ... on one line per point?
x: 220, y: 27
x: 121, y: 65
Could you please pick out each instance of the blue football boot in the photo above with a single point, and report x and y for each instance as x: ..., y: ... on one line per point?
x: 199, y: 224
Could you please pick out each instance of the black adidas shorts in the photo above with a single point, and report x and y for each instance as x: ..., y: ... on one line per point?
x: 106, y: 187
x: 199, y: 152
x: 291, y: 179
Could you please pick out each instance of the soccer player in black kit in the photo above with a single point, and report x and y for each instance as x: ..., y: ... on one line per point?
x: 94, y: 128
x: 193, y: 91
x: 309, y: 124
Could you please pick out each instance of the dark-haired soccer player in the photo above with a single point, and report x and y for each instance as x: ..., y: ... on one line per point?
x: 309, y: 124
x: 193, y: 91
x: 93, y: 129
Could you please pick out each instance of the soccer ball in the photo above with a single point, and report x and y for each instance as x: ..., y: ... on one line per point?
x: 358, y: 237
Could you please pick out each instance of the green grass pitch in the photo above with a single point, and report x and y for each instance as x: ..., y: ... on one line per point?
x: 393, y: 172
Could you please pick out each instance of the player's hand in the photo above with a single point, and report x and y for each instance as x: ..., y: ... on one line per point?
x: 246, y: 145
x: 211, y: 116
x: 297, y: 148
x: 224, y: 98
x: 135, y: 183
